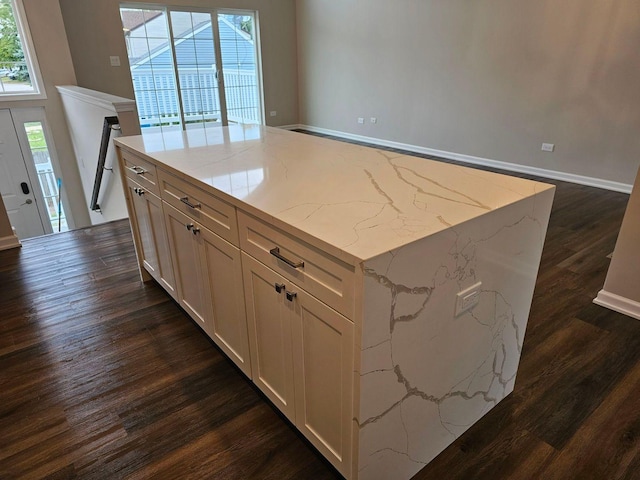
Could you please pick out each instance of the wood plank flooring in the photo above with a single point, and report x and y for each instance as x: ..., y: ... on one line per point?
x: 104, y: 377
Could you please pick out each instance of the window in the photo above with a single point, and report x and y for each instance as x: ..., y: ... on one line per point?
x: 19, y: 74
x: 193, y: 69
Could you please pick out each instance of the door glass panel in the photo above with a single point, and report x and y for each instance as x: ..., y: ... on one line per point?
x: 49, y: 184
x: 196, y: 64
x: 147, y: 36
x: 239, y: 64
x: 176, y: 71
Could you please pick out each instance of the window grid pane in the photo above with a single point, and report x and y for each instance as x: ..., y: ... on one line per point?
x: 15, y: 75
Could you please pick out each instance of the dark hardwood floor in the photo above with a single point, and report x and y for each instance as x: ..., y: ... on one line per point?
x: 104, y: 377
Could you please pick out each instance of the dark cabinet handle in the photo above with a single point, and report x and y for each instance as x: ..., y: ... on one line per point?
x: 291, y: 296
x: 189, y: 226
x: 275, y: 251
x: 186, y: 201
x: 279, y: 287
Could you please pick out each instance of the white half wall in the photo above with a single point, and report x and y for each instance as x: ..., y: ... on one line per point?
x: 486, y: 79
x: 85, y: 111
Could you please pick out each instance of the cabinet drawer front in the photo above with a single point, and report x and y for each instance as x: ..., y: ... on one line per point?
x: 325, y: 277
x: 141, y: 171
x: 213, y: 213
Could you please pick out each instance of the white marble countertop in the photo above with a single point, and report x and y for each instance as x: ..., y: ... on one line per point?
x: 362, y: 201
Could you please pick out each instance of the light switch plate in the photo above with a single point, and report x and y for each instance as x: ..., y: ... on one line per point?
x: 115, y: 60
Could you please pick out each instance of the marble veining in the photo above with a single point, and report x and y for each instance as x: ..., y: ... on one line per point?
x: 360, y: 200
x: 434, y: 374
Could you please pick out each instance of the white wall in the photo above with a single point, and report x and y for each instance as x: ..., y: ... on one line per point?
x: 85, y: 112
x: 492, y: 79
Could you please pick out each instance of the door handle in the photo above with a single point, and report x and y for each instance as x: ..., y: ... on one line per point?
x: 25, y: 188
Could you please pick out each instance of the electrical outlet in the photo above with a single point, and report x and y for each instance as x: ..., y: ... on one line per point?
x: 467, y: 298
x: 273, y: 113
x: 114, y: 60
x: 361, y: 120
x: 373, y: 120
x: 548, y: 147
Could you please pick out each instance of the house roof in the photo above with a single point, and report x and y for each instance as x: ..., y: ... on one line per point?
x: 132, y: 19
x: 196, y: 49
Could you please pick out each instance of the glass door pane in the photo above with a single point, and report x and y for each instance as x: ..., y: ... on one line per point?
x: 151, y: 60
x: 49, y: 184
x: 238, y: 51
x: 193, y: 69
x: 196, y: 66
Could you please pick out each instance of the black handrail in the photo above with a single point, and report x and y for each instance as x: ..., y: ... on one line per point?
x: 107, y: 126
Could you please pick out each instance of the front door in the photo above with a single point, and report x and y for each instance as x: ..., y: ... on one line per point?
x: 15, y: 184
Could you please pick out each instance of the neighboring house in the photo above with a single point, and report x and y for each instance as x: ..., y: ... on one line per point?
x: 153, y: 74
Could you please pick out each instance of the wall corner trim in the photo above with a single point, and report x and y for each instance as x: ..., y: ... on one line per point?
x: 617, y: 303
x: 10, y: 241
x: 470, y: 159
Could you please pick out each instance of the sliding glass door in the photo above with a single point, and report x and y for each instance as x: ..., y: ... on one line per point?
x: 193, y: 69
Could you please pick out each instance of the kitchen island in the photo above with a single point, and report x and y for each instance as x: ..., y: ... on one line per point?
x: 379, y: 300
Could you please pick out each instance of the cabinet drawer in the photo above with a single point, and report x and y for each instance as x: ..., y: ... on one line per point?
x: 213, y: 213
x: 141, y: 171
x: 322, y: 275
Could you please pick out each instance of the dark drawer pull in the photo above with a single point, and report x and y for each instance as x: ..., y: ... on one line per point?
x: 275, y: 251
x: 186, y: 201
x: 291, y: 295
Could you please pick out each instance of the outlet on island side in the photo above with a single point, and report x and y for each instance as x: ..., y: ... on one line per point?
x: 548, y: 147
x: 467, y: 298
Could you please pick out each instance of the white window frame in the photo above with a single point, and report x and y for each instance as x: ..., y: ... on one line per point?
x: 30, y: 58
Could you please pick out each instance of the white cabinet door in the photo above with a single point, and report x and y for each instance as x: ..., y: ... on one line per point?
x: 154, y: 248
x: 185, y: 244
x: 302, y: 353
x: 268, y: 320
x: 222, y: 270
x: 323, y: 373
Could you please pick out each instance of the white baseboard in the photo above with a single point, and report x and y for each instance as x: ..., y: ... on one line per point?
x: 617, y: 303
x: 289, y: 127
x: 10, y: 241
x: 487, y: 162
